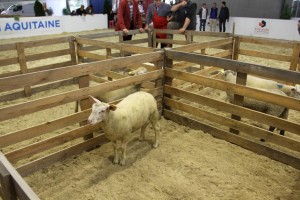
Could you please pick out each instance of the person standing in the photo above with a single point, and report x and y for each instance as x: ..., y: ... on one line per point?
x: 185, y: 17
x: 90, y: 10
x: 223, y: 17
x: 213, y: 17
x: 157, y: 13
x: 129, y: 17
x: 81, y: 11
x: 203, y: 14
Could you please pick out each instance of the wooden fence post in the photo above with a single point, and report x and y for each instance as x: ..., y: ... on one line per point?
x: 23, y: 65
x: 108, y: 53
x: 84, y: 81
x: 189, y: 37
x: 80, y: 58
x: 154, y: 38
x: 120, y: 41
x: 295, y: 56
x: 8, y: 192
x: 168, y: 63
x: 203, y: 53
x: 241, y: 79
x: 150, y: 38
x: 72, y: 46
x: 236, y: 48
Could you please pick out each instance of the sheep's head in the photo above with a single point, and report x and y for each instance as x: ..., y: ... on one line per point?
x: 230, y: 76
x: 295, y: 92
x: 99, y: 111
x: 138, y: 71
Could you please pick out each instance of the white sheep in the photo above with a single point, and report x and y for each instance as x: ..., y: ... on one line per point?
x: 119, y: 122
x: 292, y: 91
x: 265, y: 107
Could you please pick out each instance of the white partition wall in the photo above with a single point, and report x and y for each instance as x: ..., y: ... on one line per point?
x: 260, y: 27
x: 34, y: 26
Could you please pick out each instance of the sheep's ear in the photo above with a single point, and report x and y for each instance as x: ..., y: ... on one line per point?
x: 112, y: 107
x: 94, y: 100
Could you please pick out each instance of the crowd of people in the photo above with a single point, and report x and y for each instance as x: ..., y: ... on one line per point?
x: 181, y: 16
x: 83, y: 11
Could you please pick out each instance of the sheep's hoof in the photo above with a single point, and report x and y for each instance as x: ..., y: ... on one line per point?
x: 115, y: 161
x: 155, y: 145
x: 122, y: 162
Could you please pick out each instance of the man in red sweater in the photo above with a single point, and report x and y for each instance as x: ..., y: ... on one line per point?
x: 129, y: 17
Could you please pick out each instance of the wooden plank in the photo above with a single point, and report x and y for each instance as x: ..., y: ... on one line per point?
x: 171, y: 41
x: 136, y: 41
x: 222, y: 54
x: 41, y: 163
x: 98, y: 79
x: 234, y: 109
x: 9, y: 61
x: 45, y: 42
x: 7, y: 189
x: 7, y: 47
x: 63, y: 98
x: 94, y: 56
x: 197, y: 46
x: 258, y: 148
x: 23, y: 65
x: 236, y: 125
x: 236, y: 89
x: 21, y: 187
x: 46, y: 55
x: 295, y: 57
x: 37, y: 89
x: 269, y: 42
x: 99, y: 35
x: 35, y: 69
x: 212, y: 34
x: 10, y: 83
x: 265, y: 55
x: 43, y: 145
x: 40, y: 129
x: 119, y: 46
x: 259, y: 70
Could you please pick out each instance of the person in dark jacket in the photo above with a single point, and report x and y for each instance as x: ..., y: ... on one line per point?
x: 203, y: 14
x: 213, y: 15
x: 223, y: 17
x: 184, y: 14
x: 81, y: 11
x: 129, y: 17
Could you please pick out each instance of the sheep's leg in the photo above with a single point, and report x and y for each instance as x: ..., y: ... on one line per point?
x: 154, y: 122
x: 123, y: 149
x: 116, y: 156
x: 143, y: 129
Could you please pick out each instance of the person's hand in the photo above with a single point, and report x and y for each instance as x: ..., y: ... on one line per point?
x: 182, y: 30
x: 141, y: 30
x: 183, y: 3
x: 125, y: 30
x: 146, y: 27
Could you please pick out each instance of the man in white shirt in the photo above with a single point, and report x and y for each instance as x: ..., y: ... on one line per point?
x: 203, y: 13
x: 115, y: 10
